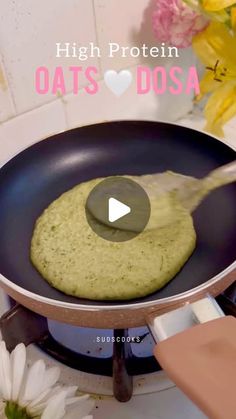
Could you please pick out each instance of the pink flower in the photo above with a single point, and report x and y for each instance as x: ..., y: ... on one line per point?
x: 175, y: 23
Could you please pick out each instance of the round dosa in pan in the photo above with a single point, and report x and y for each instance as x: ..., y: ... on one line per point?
x: 77, y: 261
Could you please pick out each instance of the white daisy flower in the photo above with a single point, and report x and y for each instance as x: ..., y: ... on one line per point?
x: 31, y: 392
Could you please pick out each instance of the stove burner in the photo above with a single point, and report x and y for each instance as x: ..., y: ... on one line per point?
x: 67, y: 344
x: 120, y: 354
x: 92, y: 350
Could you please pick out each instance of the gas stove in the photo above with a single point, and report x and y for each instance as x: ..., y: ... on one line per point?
x: 105, y: 363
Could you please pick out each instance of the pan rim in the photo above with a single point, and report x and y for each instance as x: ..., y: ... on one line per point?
x: 123, y: 306
x: 118, y: 121
x: 126, y: 305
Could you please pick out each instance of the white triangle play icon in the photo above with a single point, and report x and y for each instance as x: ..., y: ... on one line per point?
x: 117, y: 210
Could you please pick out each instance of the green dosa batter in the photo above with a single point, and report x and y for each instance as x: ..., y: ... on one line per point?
x: 73, y: 259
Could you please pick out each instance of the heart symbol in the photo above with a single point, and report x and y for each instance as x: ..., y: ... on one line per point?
x: 118, y: 83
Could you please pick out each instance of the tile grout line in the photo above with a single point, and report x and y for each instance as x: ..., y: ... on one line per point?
x: 96, y: 34
x: 9, y: 88
x: 17, y: 115
x: 62, y: 99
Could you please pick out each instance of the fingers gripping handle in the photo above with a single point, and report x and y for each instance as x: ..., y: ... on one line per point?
x: 201, y: 360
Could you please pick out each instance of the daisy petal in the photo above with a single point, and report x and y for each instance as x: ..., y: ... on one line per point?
x: 40, y: 402
x: 51, y: 376
x: 18, y: 360
x: 70, y: 391
x: 34, y: 381
x: 39, y: 405
x: 50, y: 393
x: 5, y: 372
x: 80, y: 410
x: 56, y: 407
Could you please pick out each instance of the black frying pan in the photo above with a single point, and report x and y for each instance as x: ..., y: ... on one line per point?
x: 38, y: 175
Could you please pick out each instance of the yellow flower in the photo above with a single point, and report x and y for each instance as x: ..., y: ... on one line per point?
x: 233, y: 17
x: 221, y: 10
x: 220, y: 108
x: 216, y: 5
x: 216, y: 10
x: 215, y: 47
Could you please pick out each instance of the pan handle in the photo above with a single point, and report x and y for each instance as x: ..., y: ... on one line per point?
x: 197, y: 349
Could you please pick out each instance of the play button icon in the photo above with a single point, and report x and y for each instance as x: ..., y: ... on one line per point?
x: 117, y: 209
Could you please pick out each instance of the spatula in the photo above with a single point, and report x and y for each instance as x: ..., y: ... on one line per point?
x: 189, y: 190
x: 161, y: 188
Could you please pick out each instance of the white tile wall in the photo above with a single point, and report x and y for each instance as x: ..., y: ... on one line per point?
x: 104, y: 106
x: 30, y: 127
x: 121, y: 22
x: 28, y: 33
x: 85, y: 109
